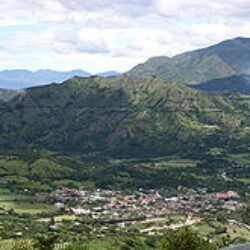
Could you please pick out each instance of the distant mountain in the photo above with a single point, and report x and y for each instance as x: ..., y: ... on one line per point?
x: 237, y: 83
x: 231, y: 57
x: 18, y: 79
x: 109, y: 74
x: 118, y: 116
x: 7, y: 94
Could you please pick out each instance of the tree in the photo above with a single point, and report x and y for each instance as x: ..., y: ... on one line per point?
x: 42, y: 242
x: 186, y: 239
x: 21, y: 245
x: 245, y: 216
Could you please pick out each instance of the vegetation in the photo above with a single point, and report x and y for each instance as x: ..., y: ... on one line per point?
x: 120, y: 117
x: 29, y: 214
x: 186, y: 239
x: 120, y: 133
x: 39, y: 171
x: 183, y: 239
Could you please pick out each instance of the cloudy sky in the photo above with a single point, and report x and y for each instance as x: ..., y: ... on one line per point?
x: 101, y: 35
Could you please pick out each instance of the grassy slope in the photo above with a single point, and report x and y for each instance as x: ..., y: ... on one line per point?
x: 119, y: 116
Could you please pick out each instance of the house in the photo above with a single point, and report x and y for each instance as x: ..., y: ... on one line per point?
x: 80, y: 211
x: 229, y: 194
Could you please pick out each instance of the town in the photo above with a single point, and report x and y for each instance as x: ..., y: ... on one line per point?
x: 127, y: 208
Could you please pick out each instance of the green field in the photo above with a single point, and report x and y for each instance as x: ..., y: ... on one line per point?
x: 246, y: 181
x: 15, y: 197
x: 240, y: 158
x: 60, y: 218
x: 22, y: 207
x: 4, y: 191
x: 22, y: 203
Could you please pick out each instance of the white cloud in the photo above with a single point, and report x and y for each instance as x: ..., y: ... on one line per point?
x: 114, y: 34
x: 213, y: 9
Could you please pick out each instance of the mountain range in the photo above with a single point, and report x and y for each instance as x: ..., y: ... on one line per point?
x: 122, y: 116
x: 19, y: 79
x: 140, y: 113
x: 230, y: 57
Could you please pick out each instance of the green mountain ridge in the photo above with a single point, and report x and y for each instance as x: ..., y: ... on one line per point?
x: 118, y: 116
x: 230, y: 57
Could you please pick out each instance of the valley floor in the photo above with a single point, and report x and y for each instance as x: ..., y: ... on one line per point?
x: 211, y: 197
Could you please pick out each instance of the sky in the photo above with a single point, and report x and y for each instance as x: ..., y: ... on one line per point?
x: 103, y: 35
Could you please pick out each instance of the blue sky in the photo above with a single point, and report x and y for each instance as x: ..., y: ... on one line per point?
x: 98, y: 35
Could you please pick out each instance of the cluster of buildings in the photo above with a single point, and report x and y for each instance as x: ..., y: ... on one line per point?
x: 119, y: 205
